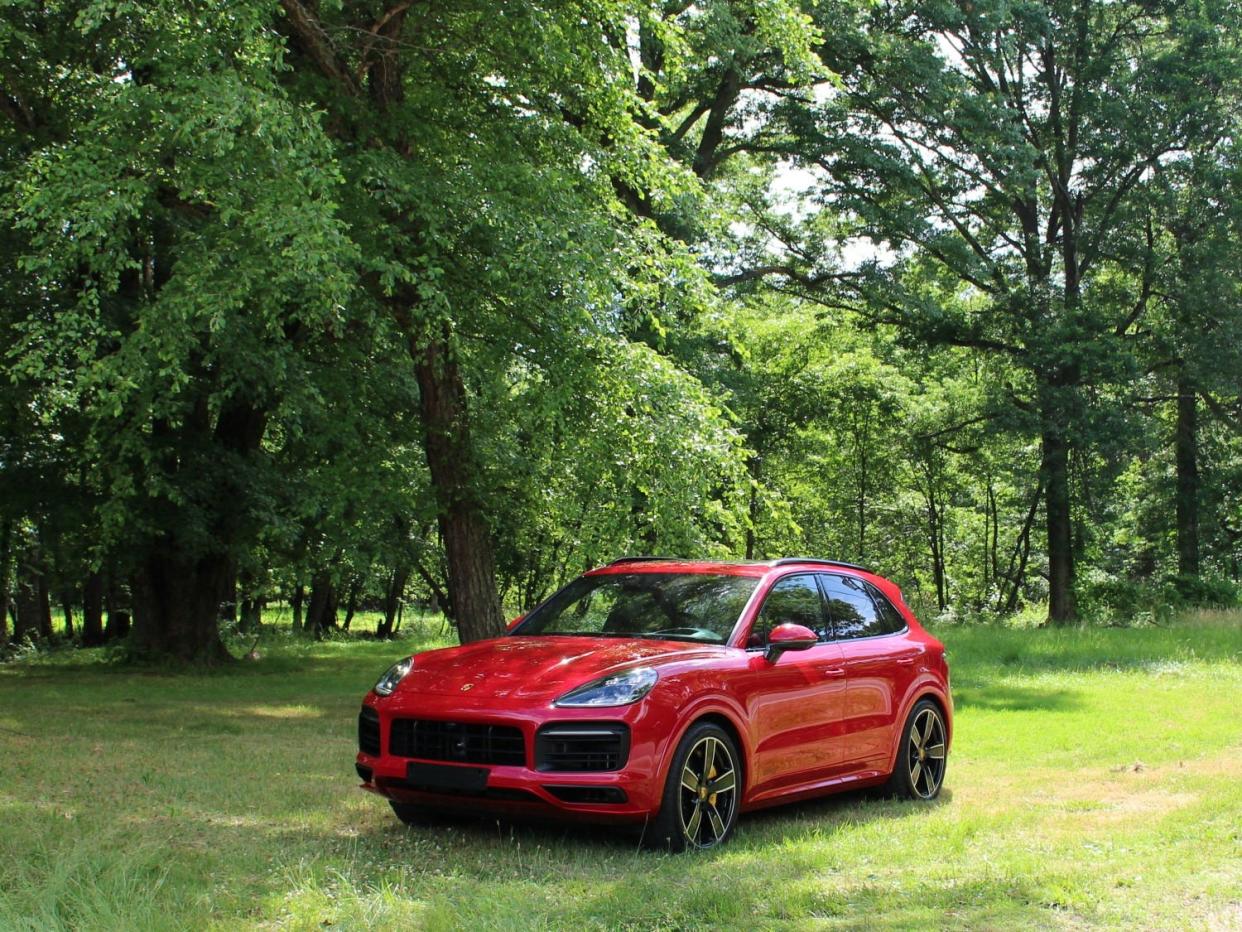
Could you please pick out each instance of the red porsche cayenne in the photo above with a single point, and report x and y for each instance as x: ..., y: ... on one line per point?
x: 671, y: 694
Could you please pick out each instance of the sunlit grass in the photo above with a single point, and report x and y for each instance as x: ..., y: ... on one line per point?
x: 1094, y: 782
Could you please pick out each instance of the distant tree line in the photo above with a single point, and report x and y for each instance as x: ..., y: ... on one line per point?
x: 343, y: 304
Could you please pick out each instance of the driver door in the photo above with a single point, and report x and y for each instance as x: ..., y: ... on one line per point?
x: 796, y: 704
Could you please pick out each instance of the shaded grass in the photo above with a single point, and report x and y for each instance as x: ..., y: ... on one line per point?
x: 1093, y: 782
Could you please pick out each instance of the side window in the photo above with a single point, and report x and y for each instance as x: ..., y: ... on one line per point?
x: 853, y: 612
x: 891, y: 620
x: 792, y: 599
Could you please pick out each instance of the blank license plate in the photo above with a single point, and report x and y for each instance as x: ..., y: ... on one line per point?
x: 448, y: 777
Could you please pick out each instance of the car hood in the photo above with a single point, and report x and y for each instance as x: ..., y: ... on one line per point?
x: 536, y: 667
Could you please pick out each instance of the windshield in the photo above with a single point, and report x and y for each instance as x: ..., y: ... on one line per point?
x: 664, y: 606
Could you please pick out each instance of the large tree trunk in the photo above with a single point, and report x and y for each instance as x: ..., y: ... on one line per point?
x: 178, y: 592
x: 1185, y: 443
x: 92, y: 610
x: 450, y: 459
x: 1056, y: 481
x: 321, y: 611
x: 34, y: 608
x: 26, y: 601
x: 176, y: 606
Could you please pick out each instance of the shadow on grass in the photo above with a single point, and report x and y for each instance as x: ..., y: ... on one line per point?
x: 781, y: 866
x: 756, y: 830
x: 1005, y: 697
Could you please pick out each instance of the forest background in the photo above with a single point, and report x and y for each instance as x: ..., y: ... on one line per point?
x: 346, y: 305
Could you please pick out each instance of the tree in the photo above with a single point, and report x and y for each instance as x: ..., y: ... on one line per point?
x: 995, y: 151
x: 175, y: 218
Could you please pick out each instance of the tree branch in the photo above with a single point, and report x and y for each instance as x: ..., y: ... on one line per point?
x: 316, y: 43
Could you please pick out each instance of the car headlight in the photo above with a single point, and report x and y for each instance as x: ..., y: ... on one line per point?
x: 618, y: 689
x: 396, y: 673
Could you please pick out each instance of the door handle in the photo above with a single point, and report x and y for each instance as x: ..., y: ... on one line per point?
x: 905, y: 661
x: 832, y: 672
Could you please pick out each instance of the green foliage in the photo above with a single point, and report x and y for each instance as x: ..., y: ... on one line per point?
x: 916, y: 285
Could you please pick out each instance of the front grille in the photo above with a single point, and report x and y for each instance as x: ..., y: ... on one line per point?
x: 460, y: 742
x: 582, y: 746
x: 368, y: 731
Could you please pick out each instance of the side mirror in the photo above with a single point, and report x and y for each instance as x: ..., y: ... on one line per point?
x: 789, y: 637
x: 515, y: 622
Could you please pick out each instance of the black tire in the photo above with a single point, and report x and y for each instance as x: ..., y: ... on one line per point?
x: 701, y: 810
x: 922, y: 754
x: 409, y: 813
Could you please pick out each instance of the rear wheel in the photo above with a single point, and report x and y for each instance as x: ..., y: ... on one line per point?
x: 701, y: 792
x: 922, y: 754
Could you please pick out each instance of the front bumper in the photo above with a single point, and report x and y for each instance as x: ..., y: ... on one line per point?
x: 629, y: 793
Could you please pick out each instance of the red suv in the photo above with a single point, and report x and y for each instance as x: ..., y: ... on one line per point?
x: 672, y: 694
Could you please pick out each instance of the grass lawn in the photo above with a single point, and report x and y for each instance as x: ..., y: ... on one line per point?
x: 1095, y: 780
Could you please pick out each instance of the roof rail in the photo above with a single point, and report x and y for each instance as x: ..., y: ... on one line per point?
x: 786, y: 561
x: 639, y: 559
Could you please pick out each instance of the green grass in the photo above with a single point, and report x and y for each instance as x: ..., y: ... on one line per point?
x: 1094, y: 781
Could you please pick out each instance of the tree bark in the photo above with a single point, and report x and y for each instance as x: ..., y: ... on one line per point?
x: 392, y: 600
x: 321, y: 611
x: 251, y: 614
x: 176, y: 606
x: 450, y: 458
x: 351, y: 602
x: 92, y: 610
x: 34, y: 607
x: 45, y: 606
x: 935, y: 532
x: 1186, y: 443
x: 26, y: 601
x: 1055, y: 468
x: 299, y: 596
x: 178, y: 589
x: 1015, y: 569
x: 6, y: 555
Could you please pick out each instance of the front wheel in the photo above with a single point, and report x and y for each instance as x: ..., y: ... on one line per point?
x: 409, y: 813
x: 701, y: 792
x: 922, y: 754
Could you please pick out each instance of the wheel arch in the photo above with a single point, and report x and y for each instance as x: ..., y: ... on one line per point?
x: 931, y: 691
x: 723, y: 719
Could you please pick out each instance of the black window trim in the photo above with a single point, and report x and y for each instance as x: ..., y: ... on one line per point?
x: 872, y: 591
x: 823, y: 607
x: 876, y: 596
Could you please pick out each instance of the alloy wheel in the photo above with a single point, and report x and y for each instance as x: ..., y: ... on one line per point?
x: 708, y: 794
x: 926, y: 755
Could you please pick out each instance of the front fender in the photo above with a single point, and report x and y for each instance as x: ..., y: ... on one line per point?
x: 711, y: 705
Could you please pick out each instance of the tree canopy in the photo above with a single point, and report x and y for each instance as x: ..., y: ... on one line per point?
x: 373, y: 301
